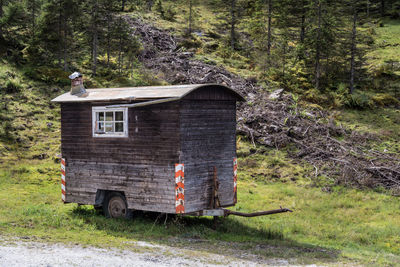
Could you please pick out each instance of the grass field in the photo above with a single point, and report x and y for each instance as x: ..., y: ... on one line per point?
x: 387, y: 44
x: 340, y: 226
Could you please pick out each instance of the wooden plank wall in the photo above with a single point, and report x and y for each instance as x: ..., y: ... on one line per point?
x: 208, y: 138
x: 141, y: 165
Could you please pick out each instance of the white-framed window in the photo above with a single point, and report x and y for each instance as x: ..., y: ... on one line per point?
x: 110, y: 122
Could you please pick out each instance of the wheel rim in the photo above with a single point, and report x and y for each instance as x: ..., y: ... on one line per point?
x: 117, y: 207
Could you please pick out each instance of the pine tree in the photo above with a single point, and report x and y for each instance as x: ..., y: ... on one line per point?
x: 149, y: 4
x: 317, y: 75
x: 233, y: 21
x: 33, y: 10
x: 56, y: 30
x: 109, y: 7
x: 230, y: 15
x: 353, y: 48
x: 13, y: 22
x: 269, y: 33
x: 190, y: 16
x: 160, y: 9
x: 94, y: 29
x: 2, y: 4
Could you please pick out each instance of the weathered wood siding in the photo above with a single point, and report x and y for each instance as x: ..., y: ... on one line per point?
x: 198, y: 131
x: 208, y: 139
x: 141, y: 165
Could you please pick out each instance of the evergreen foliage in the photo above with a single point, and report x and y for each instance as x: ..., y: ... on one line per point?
x: 298, y: 45
x: 67, y: 34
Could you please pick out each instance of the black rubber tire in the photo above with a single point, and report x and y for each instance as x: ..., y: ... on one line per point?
x: 115, y: 206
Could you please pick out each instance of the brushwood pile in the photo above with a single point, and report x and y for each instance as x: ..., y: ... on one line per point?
x: 276, y: 120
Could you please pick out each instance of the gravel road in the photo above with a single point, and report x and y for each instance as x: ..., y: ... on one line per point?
x: 18, y: 253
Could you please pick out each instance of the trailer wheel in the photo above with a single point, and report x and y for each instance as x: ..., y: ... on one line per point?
x: 115, y: 206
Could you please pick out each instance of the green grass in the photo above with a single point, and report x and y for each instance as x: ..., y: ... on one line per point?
x: 29, y: 124
x: 383, y: 123
x: 344, y: 225
x: 386, y: 44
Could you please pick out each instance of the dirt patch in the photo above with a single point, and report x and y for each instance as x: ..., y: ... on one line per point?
x: 145, y: 254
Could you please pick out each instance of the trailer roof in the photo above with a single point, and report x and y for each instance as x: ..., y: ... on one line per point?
x: 139, y: 93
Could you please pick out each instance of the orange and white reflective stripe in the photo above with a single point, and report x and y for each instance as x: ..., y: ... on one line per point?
x: 235, y: 180
x: 179, y: 188
x: 63, y: 179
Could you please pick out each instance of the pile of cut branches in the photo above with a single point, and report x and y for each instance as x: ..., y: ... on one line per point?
x: 277, y: 121
x: 334, y: 151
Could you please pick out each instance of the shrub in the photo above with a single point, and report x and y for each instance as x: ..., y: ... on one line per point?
x: 359, y: 100
x: 159, y: 8
x: 6, y: 131
x: 314, y: 96
x: 12, y: 86
x: 211, y: 47
x: 49, y: 75
x: 212, y: 34
x: 191, y: 42
x: 383, y: 100
x: 169, y: 14
x: 339, y: 96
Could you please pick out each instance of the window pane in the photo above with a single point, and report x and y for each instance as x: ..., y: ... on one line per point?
x: 109, y: 127
x: 119, y: 116
x: 100, y: 116
x: 100, y: 126
x: 119, y: 127
x: 109, y: 116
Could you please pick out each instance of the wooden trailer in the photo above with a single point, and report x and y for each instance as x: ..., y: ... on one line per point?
x: 159, y: 149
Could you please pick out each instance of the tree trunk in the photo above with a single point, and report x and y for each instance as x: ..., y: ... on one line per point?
x: 149, y: 5
x: 95, y: 36
x: 284, y: 59
x: 94, y: 69
x: 1, y: 15
x: 120, y: 48
x: 190, y: 16
x: 269, y: 34
x: 382, y: 8
x: 303, y: 21
x: 33, y: 3
x: 353, y: 50
x: 368, y: 8
x: 60, y: 34
x: 318, y: 49
x: 65, y: 51
x: 109, y: 17
x: 123, y: 5
x: 233, y: 23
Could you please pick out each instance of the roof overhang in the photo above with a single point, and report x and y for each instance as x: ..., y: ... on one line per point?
x: 174, y: 92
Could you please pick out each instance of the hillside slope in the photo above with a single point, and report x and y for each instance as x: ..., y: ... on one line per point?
x: 347, y: 156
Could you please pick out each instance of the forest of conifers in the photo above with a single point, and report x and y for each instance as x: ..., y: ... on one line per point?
x: 299, y: 45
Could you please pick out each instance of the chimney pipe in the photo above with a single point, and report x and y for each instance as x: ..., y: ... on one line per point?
x: 77, y: 87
